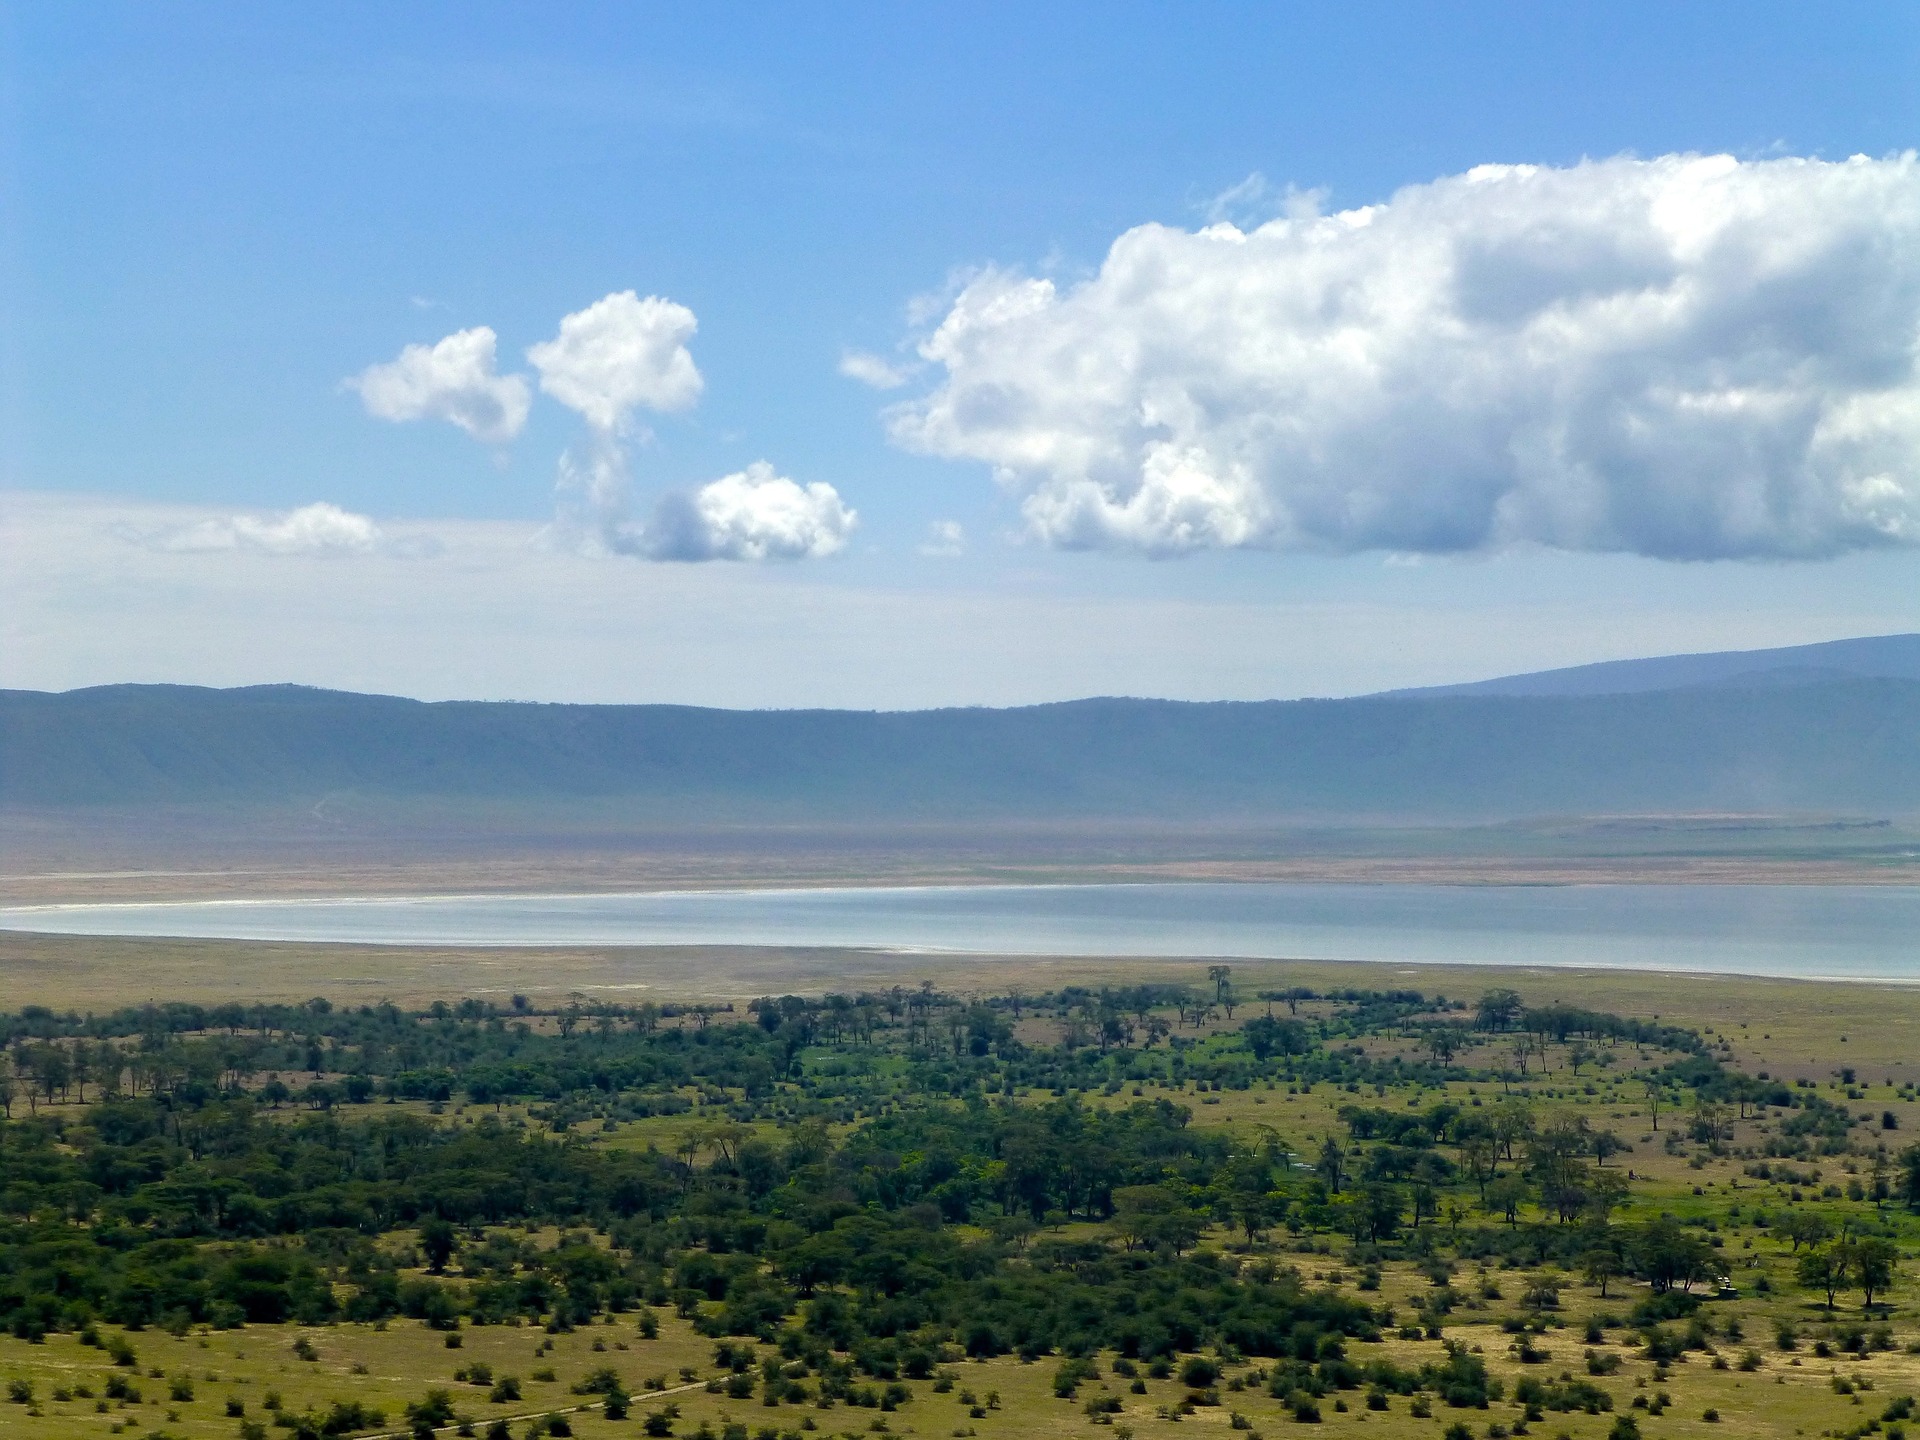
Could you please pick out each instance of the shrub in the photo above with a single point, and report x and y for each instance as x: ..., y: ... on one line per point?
x: 434, y: 1408
x: 1072, y: 1371
x: 347, y: 1416
x: 1198, y: 1373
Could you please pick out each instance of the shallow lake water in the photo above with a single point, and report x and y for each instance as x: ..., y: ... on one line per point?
x: 1807, y: 930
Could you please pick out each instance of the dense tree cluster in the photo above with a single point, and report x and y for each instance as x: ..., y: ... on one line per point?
x: 900, y: 1171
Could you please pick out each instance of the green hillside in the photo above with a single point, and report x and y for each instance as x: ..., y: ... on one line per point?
x: 1849, y: 744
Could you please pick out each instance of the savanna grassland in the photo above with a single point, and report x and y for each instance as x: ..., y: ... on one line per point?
x: 1397, y: 1202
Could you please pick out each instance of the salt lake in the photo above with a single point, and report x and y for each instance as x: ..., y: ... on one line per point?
x: 1830, y: 931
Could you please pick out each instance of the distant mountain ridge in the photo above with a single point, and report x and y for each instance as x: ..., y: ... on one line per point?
x: 1816, y: 745
x: 1874, y: 657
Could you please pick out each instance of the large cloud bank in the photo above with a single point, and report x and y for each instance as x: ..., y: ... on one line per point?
x: 1687, y: 357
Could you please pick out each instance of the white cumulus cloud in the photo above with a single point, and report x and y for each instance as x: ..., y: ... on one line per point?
x: 1685, y: 357
x: 316, y: 529
x: 754, y: 514
x: 620, y: 354
x: 452, y: 380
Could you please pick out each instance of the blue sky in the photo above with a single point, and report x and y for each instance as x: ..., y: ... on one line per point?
x: 216, y: 215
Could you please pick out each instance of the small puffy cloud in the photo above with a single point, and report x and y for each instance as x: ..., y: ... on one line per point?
x: 874, y: 370
x: 317, y: 529
x: 453, y: 380
x: 620, y: 354
x: 754, y: 514
x: 944, y: 538
x: 1685, y: 357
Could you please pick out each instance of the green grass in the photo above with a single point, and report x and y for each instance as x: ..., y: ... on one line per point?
x: 387, y: 1366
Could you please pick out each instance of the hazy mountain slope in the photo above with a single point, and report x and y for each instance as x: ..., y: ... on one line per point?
x: 1882, y: 657
x: 1851, y: 744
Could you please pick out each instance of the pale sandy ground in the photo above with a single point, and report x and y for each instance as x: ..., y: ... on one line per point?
x: 604, y: 874
x: 106, y: 856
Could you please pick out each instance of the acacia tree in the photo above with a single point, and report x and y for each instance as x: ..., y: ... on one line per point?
x: 1910, y: 1176
x: 1332, y: 1161
x: 1823, y: 1270
x: 1479, y: 1157
x: 1255, y: 1210
x: 1505, y: 1196
x: 54, y: 1069
x: 1668, y: 1257
x: 1498, y: 1009
x: 1599, y: 1266
x: 437, y: 1242
x: 1873, y: 1265
x: 1655, y: 1090
x: 1804, y: 1227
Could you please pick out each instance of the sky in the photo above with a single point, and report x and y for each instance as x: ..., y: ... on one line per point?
x: 894, y: 356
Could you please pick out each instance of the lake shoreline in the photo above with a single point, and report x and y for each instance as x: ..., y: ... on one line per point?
x: 1860, y: 933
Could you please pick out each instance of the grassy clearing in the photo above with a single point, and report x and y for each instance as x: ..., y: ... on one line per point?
x: 189, y: 1385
